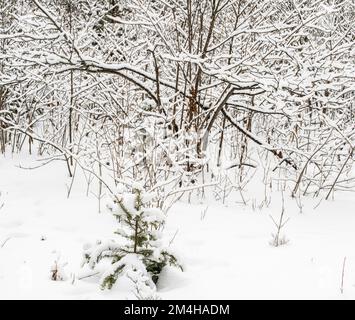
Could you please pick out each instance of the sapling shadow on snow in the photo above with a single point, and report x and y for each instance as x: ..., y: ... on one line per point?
x: 138, y: 254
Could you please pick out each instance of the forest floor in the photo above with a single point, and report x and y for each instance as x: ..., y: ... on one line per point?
x: 225, y: 249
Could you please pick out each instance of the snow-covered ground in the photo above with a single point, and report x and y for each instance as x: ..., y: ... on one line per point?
x: 225, y: 250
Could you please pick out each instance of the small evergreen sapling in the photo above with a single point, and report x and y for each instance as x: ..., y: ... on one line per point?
x: 140, y: 256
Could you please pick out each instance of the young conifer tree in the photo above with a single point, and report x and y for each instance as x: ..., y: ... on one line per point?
x: 140, y: 256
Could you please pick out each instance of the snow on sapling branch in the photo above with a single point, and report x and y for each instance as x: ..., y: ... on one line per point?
x: 140, y: 255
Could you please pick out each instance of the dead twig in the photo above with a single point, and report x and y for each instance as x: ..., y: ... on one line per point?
x: 3, y: 244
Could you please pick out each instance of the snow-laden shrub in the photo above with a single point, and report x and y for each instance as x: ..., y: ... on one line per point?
x: 140, y: 256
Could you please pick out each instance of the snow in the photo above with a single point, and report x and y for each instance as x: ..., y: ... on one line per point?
x: 225, y: 252
x: 239, y: 263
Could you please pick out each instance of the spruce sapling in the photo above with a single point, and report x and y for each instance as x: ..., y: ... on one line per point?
x: 140, y: 254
